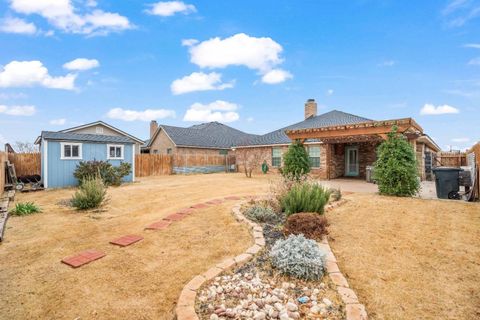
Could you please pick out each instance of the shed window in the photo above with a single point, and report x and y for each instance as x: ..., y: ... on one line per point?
x: 115, y: 151
x: 314, y: 154
x: 99, y: 130
x: 276, y: 157
x: 71, y: 151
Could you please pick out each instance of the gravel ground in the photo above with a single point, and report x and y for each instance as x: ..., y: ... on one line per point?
x: 256, y: 291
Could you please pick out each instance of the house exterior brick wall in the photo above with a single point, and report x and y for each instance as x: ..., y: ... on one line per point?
x: 161, y: 143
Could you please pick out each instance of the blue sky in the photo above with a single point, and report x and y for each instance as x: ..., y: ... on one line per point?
x: 250, y: 64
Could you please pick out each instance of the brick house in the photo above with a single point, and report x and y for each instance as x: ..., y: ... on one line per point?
x: 339, y: 144
x: 212, y: 138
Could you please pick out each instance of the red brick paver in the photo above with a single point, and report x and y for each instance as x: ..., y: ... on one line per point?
x: 213, y: 202
x: 159, y: 225
x: 186, y: 211
x: 199, y: 206
x: 174, y: 217
x: 83, y: 257
x: 232, y: 198
x: 126, y: 240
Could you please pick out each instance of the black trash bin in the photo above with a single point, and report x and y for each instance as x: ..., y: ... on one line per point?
x: 447, y: 182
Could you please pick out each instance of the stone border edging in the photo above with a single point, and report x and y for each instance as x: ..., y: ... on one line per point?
x: 354, y: 309
x: 185, y: 309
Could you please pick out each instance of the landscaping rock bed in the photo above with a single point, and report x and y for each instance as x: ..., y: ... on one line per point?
x: 256, y: 291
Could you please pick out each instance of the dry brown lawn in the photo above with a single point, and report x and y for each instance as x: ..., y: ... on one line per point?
x: 410, y: 258
x: 142, y: 281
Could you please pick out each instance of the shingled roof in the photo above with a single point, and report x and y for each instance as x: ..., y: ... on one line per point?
x: 84, y: 137
x: 206, y: 135
x: 332, y: 118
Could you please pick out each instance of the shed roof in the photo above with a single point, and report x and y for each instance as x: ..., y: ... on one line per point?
x: 84, y: 137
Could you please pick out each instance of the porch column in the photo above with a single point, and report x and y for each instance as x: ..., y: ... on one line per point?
x: 329, y: 160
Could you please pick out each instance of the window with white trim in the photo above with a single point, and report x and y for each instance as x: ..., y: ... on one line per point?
x: 314, y: 154
x: 115, y: 151
x: 276, y: 157
x: 99, y: 130
x: 71, y: 151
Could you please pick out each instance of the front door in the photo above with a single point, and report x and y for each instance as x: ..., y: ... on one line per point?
x: 351, y: 161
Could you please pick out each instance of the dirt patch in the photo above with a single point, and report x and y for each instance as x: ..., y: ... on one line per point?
x: 142, y: 281
x: 410, y: 258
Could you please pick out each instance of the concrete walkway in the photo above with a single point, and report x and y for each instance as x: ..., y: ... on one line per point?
x: 427, y: 190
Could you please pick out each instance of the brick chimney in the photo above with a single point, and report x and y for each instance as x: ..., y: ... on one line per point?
x: 310, y: 108
x: 153, y: 127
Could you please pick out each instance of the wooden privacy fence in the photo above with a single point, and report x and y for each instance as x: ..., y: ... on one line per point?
x: 202, y: 160
x: 26, y: 163
x: 451, y: 159
x: 153, y: 165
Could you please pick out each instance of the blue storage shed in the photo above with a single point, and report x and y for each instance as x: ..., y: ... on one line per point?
x: 61, y: 152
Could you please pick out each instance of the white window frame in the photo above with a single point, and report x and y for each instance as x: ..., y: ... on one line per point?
x: 62, y: 150
x: 122, y: 148
x: 281, y: 156
x: 99, y: 130
x: 310, y: 148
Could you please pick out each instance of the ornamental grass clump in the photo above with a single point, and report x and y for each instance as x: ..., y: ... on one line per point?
x: 305, y: 197
x: 25, y: 208
x: 261, y: 214
x: 90, y: 195
x: 298, y: 257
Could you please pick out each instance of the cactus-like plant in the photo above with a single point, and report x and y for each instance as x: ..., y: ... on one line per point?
x: 298, y: 257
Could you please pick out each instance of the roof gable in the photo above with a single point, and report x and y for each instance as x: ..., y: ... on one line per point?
x: 331, y: 118
x: 104, y: 124
x: 84, y: 137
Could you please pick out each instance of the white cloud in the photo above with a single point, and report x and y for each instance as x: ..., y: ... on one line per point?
x: 30, y: 73
x: 458, y: 12
x: 461, y: 139
x: 189, y: 42
x: 58, y: 122
x: 329, y: 92
x: 474, y: 62
x: 221, y: 111
x: 81, y: 64
x: 255, y: 53
x: 430, y: 109
x: 16, y: 25
x: 387, y: 63
x: 18, y: 110
x: 472, y: 45
x: 62, y: 14
x: 275, y: 76
x: 250, y: 119
x: 199, y: 81
x: 169, y: 8
x: 145, y: 115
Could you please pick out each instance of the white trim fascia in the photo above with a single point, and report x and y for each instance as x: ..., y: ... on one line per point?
x: 80, y: 150
x: 45, y: 163
x: 122, y: 147
x: 106, y: 125
x: 133, y: 163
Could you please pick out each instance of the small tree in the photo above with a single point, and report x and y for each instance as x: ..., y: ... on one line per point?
x: 396, y: 167
x: 296, y: 162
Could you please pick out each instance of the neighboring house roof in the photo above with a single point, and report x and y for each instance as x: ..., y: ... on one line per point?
x: 84, y: 137
x: 206, y: 135
x: 332, y: 118
x: 106, y: 125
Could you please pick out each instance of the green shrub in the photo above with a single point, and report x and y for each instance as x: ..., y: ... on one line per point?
x: 305, y: 197
x: 90, y: 194
x: 261, y: 214
x: 296, y: 162
x: 395, y: 170
x: 111, y: 175
x: 298, y: 257
x: 25, y: 208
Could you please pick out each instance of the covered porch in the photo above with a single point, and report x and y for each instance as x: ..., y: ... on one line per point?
x: 350, y: 149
